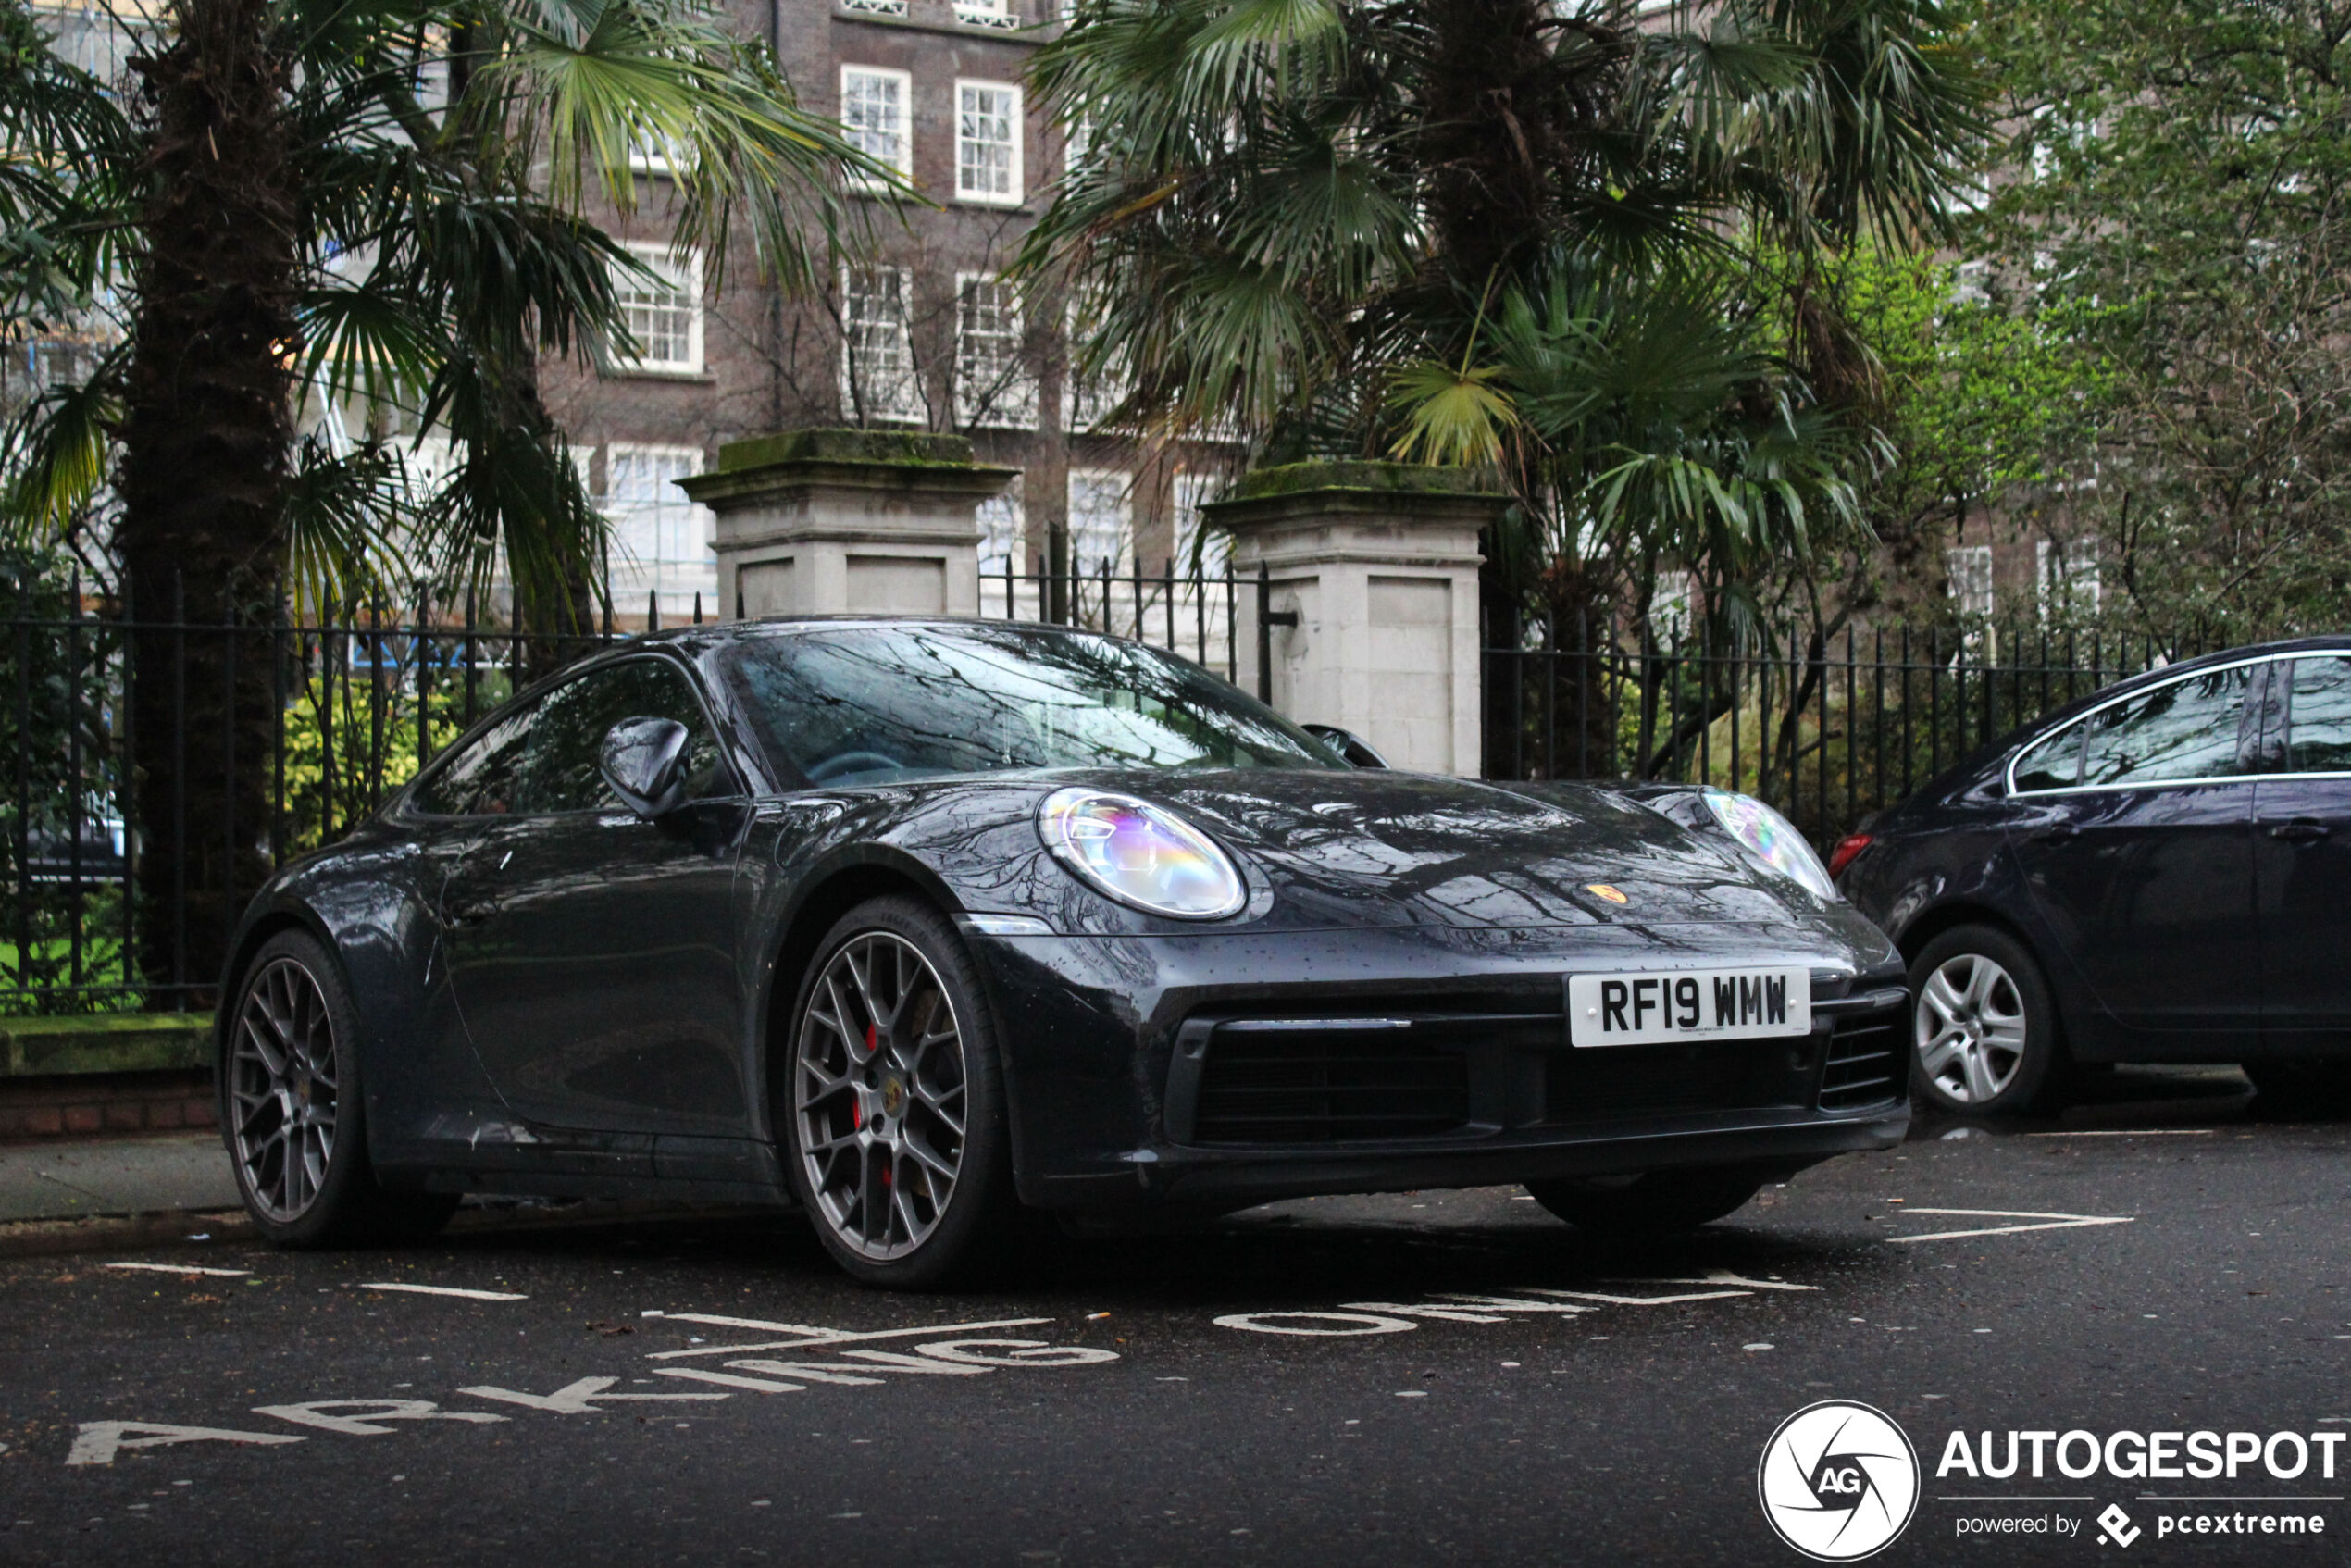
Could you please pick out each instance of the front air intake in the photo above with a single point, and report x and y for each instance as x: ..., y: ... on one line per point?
x: 1337, y: 1084
x: 1865, y: 1060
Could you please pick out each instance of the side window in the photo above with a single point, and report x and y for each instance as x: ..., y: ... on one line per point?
x: 2188, y: 729
x: 479, y: 780
x: 2318, y: 717
x: 2055, y: 764
x: 560, y: 763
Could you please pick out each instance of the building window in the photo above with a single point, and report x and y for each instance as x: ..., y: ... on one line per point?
x: 1087, y: 400
x: 1099, y: 502
x: 877, y: 371
x: 1002, y: 520
x: 987, y: 13
x: 1194, y: 541
x: 988, y: 125
x: 874, y: 7
x: 993, y: 387
x: 1969, y: 568
x: 873, y: 114
x: 2068, y: 578
x: 662, y: 543
x: 664, y: 313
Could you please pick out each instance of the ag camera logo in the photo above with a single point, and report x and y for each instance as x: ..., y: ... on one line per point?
x: 1838, y: 1481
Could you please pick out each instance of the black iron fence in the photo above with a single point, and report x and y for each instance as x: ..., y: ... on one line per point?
x: 1828, y: 728
x: 1200, y: 615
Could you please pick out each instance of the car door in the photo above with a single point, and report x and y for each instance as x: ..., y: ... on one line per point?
x: 2133, y: 833
x: 592, y: 952
x: 2302, y: 861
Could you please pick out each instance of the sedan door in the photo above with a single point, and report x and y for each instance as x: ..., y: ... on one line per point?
x: 2301, y: 863
x: 593, y: 952
x: 2141, y: 866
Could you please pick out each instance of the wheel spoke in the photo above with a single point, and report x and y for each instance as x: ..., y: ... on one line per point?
x: 1938, y: 1053
x: 1981, y: 1085
x: 1939, y: 994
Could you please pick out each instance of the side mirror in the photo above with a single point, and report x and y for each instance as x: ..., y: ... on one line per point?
x: 644, y: 761
x: 1347, y: 743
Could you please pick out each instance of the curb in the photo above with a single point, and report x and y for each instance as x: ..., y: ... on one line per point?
x: 41, y: 1239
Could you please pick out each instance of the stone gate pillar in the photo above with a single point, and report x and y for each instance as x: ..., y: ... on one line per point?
x: 1377, y: 563
x: 828, y: 522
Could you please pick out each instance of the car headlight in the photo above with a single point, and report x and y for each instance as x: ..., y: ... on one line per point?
x: 1772, y: 839
x: 1140, y: 854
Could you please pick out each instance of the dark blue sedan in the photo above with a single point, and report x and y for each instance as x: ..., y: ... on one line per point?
x: 2160, y: 872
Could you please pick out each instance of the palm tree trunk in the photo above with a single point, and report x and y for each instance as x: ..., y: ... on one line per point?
x: 207, y: 426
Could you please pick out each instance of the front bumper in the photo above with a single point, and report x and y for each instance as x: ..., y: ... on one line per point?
x: 1221, y: 1071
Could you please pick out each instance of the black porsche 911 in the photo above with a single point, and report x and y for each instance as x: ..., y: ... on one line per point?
x: 926, y: 926
x: 2149, y: 874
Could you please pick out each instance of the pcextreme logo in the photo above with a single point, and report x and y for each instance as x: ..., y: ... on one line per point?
x: 1838, y: 1481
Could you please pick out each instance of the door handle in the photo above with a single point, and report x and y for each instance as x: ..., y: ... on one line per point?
x: 2301, y: 830
x: 2055, y: 833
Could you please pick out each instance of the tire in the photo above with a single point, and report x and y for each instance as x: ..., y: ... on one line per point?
x: 1652, y: 1201
x: 293, y: 1111
x: 1985, y: 1039
x: 2319, y: 1089
x: 891, y: 1042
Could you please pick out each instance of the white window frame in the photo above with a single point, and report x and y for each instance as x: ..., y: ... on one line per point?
x: 1015, y: 128
x: 904, y: 162
x: 1003, y: 531
x: 1001, y: 394
x: 1186, y: 493
x: 662, y: 507
x: 1085, y: 401
x: 1969, y: 569
x: 685, y: 280
x: 913, y: 408
x: 1002, y: 13
x: 874, y: 7
x: 1124, y: 546
x: 2067, y: 580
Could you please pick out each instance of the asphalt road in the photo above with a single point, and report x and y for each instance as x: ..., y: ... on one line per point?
x: 1485, y: 1385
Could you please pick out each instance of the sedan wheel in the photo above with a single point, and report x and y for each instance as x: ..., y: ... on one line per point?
x: 1983, y: 1033
x: 895, y: 1108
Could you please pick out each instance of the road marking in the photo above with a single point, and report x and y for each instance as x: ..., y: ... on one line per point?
x: 322, y: 1413
x: 808, y: 1336
x: 97, y: 1442
x: 1720, y: 1276
x: 1357, y: 1323
x: 2135, y: 1132
x: 442, y: 1290
x: 575, y: 1399
x: 736, y: 1380
x: 1641, y: 1301
x: 2050, y: 1221
x: 180, y: 1268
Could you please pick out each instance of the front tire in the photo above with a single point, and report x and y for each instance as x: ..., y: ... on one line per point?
x: 292, y: 1113
x: 1650, y: 1202
x: 1984, y: 1030
x: 892, y: 1104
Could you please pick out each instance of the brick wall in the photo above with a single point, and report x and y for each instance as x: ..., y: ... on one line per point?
x: 85, y: 1105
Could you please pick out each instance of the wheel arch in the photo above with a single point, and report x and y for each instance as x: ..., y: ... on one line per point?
x: 831, y: 896
x: 286, y: 917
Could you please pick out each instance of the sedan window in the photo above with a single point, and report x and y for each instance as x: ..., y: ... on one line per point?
x: 2187, y: 729
x: 561, y: 765
x: 2055, y: 764
x: 479, y: 780
x: 2318, y: 717
x: 873, y: 704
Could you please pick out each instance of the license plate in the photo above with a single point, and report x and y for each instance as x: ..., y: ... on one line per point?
x: 1687, y: 1005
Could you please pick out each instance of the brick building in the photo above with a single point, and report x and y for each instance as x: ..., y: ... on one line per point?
x: 915, y: 329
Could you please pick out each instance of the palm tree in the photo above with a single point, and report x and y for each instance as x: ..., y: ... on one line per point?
x: 1413, y: 226
x: 399, y: 202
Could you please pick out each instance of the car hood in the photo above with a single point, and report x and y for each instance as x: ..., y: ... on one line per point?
x: 1380, y: 848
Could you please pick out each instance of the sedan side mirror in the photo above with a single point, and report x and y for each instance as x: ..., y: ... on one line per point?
x: 644, y: 761
x: 1347, y: 743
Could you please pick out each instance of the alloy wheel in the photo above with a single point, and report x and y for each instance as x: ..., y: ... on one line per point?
x: 282, y: 1090
x: 1971, y: 1029
x: 879, y: 1096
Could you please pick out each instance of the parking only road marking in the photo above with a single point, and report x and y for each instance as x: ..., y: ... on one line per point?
x: 1720, y: 1276
x: 2046, y: 1222
x: 98, y: 1441
x: 359, y: 1418
x: 1357, y: 1318
x: 181, y: 1268
x: 442, y: 1290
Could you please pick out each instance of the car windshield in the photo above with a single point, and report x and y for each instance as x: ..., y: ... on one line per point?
x: 872, y: 704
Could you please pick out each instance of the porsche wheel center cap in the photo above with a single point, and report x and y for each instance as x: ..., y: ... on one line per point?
x: 893, y: 1096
